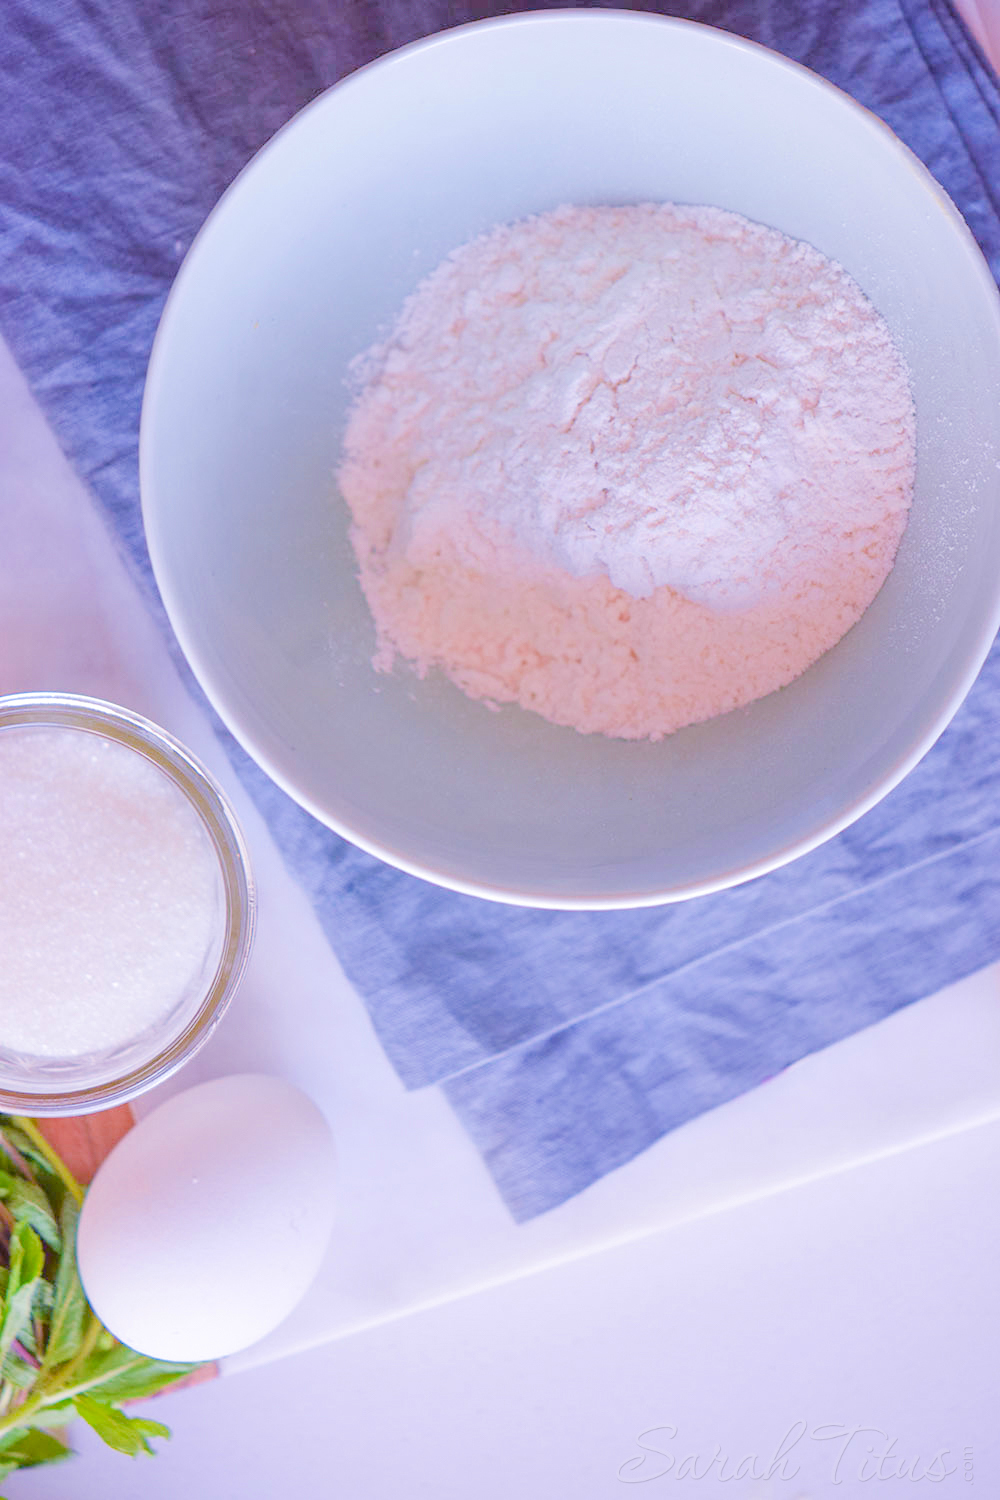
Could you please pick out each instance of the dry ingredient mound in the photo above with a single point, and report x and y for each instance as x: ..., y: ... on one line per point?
x: 627, y: 467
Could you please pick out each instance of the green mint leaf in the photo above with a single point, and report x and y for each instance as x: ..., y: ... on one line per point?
x: 25, y: 1150
x: 18, y: 1372
x: 69, y: 1305
x: 27, y: 1258
x: 26, y: 1161
x: 11, y: 1438
x: 28, y: 1201
x: 125, y: 1434
x: 16, y: 1147
x: 43, y: 1301
x: 15, y: 1257
x: 23, y: 1449
x: 16, y: 1317
x: 32, y: 1251
x: 123, y: 1375
x: 34, y: 1335
x: 57, y: 1417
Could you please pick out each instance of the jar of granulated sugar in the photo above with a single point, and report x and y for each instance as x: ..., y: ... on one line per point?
x: 126, y: 904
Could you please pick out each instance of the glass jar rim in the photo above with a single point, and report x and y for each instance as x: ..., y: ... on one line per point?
x: 206, y: 797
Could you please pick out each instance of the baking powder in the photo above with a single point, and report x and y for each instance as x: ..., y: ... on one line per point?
x: 628, y: 467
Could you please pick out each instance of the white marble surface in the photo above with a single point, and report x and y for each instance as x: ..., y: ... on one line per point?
x: 865, y: 1300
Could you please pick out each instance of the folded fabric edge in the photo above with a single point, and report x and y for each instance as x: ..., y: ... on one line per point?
x: 569, y: 1109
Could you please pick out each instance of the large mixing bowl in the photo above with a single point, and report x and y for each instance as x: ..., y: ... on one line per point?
x: 309, y: 256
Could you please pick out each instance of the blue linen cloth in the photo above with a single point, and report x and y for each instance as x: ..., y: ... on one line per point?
x: 566, y: 1042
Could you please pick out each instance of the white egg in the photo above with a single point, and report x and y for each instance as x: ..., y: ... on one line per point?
x: 207, y: 1223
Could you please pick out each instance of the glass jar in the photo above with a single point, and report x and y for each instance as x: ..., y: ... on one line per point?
x: 49, y: 1081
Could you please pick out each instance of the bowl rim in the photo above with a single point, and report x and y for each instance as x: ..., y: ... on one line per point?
x: 526, y: 894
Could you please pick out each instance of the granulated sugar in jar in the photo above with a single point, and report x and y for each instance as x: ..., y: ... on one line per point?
x: 125, y: 902
x: 111, y: 896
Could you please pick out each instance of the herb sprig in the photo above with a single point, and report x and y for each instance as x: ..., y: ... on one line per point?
x: 57, y: 1360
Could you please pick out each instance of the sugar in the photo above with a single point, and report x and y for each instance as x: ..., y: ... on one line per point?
x: 111, y: 894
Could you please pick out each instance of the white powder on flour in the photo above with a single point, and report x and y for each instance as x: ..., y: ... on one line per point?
x: 629, y: 467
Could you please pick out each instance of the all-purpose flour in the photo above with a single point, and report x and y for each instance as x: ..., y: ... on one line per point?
x: 628, y: 467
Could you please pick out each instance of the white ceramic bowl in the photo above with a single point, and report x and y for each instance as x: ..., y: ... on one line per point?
x: 310, y: 254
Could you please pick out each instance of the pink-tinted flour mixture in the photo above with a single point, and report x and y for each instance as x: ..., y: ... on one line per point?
x: 628, y: 467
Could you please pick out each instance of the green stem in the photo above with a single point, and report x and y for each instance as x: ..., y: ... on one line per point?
x: 53, y: 1158
x: 49, y: 1392
x: 52, y: 1385
x: 44, y: 1395
x: 64, y: 1392
x: 16, y: 1418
